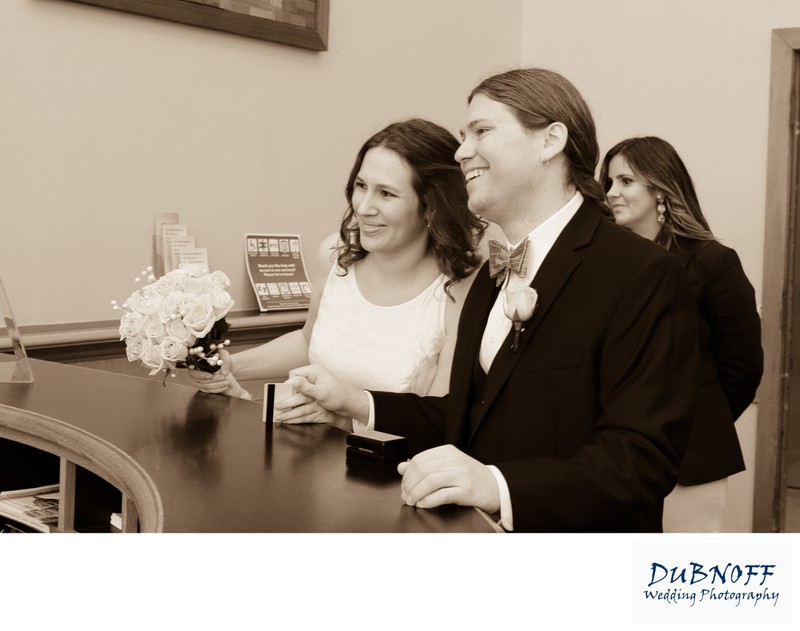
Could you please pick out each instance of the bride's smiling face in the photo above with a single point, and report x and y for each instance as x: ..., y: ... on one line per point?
x: 386, y: 205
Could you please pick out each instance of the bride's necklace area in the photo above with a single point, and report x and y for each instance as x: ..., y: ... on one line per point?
x: 395, y: 288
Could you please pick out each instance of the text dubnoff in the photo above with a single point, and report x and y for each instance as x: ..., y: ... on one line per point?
x: 739, y: 584
x: 747, y: 581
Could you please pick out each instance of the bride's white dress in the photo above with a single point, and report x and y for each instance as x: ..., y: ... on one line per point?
x: 392, y: 349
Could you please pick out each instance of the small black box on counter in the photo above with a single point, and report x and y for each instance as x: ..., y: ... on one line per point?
x: 377, y: 448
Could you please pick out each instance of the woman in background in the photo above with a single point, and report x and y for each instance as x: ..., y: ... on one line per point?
x: 386, y: 315
x: 650, y: 192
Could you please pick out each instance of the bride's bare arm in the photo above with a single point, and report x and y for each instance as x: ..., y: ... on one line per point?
x: 273, y: 360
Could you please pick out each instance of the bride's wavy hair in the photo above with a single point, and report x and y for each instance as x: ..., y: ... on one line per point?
x: 454, y: 231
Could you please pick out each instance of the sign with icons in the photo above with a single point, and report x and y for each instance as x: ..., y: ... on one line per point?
x: 277, y: 271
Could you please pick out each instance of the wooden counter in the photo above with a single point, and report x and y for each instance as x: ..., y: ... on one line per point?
x: 192, y: 462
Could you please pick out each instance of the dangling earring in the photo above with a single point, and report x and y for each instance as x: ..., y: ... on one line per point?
x: 543, y: 161
x: 661, y: 208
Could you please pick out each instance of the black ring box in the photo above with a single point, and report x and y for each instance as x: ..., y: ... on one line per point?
x: 376, y: 448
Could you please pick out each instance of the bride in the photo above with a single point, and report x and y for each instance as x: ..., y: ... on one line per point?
x: 385, y: 317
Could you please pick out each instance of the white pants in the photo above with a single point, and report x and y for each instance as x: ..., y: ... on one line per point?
x: 697, y: 508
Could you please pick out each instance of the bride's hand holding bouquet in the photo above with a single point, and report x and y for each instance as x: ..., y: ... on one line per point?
x: 220, y: 382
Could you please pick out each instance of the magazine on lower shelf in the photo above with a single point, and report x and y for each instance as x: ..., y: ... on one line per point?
x: 36, y: 507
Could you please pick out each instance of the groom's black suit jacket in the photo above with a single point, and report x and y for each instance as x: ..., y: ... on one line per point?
x: 588, y: 420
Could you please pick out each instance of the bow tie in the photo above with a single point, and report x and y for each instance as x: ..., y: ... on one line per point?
x: 502, y: 258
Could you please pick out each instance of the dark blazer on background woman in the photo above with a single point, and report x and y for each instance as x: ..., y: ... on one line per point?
x: 731, y: 357
x: 588, y: 420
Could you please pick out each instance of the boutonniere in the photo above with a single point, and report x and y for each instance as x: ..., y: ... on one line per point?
x: 519, y: 305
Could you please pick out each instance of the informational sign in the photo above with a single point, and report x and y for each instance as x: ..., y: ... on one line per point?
x: 277, y: 272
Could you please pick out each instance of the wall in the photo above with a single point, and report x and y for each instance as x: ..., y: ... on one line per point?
x: 108, y: 118
x: 696, y: 74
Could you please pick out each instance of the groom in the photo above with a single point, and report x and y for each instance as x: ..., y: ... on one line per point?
x: 579, y: 420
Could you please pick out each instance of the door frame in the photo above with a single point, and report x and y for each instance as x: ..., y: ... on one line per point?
x: 777, y: 303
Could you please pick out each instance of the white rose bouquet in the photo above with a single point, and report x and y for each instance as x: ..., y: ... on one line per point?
x: 177, y: 321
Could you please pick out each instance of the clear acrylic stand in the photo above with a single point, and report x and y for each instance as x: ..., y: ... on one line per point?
x: 12, y: 367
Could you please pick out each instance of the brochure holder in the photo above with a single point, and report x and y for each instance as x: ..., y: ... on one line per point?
x: 12, y: 367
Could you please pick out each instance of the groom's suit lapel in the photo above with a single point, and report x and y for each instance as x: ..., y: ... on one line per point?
x: 474, y: 314
x: 557, y: 267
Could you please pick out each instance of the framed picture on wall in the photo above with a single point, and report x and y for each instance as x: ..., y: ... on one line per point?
x: 302, y: 23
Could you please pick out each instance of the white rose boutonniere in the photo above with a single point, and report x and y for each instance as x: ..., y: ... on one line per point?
x: 519, y: 305
x: 177, y: 321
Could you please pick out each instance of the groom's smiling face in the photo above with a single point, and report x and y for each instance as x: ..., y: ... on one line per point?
x: 499, y: 157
